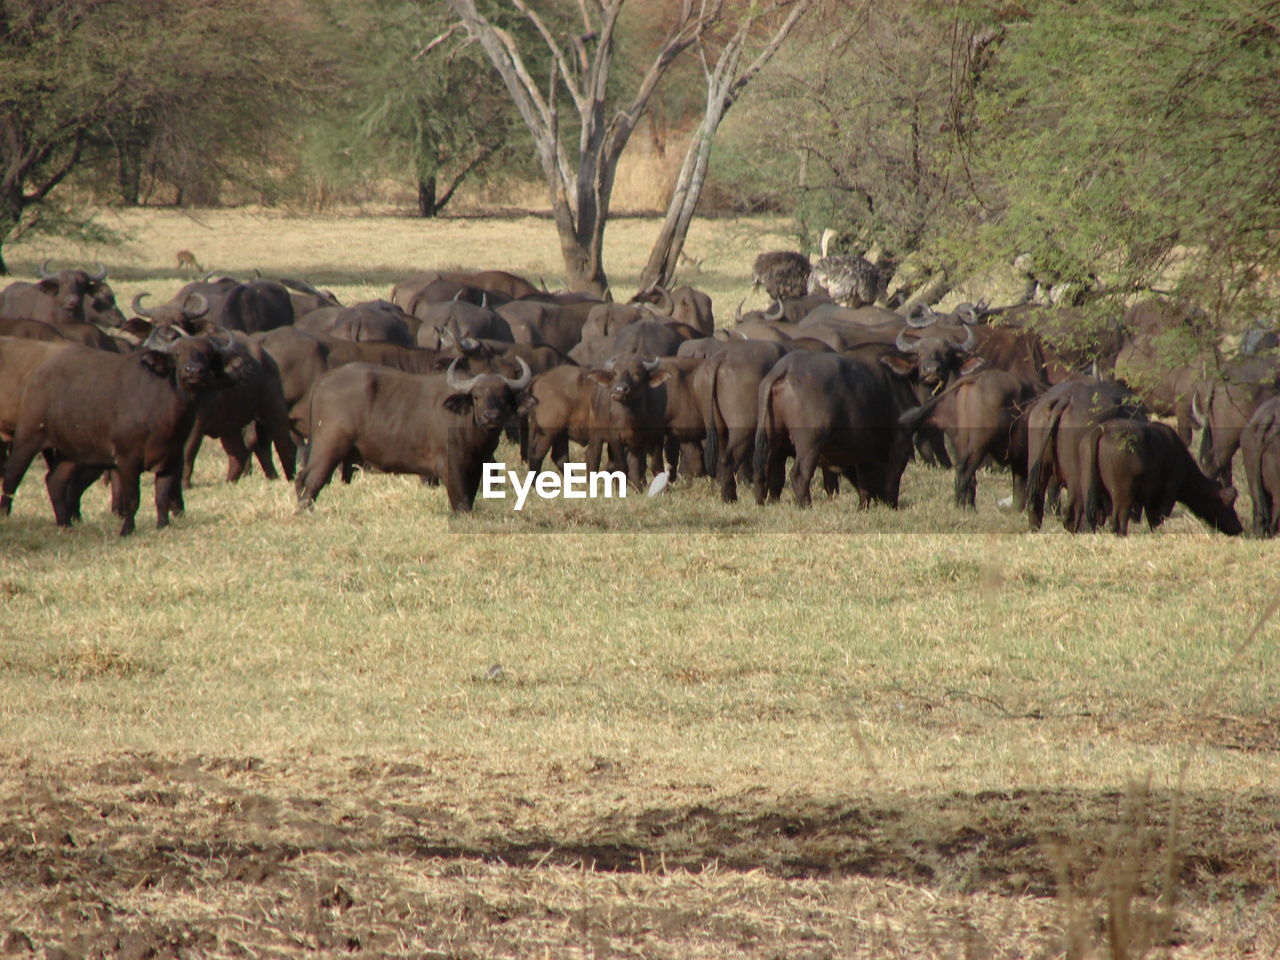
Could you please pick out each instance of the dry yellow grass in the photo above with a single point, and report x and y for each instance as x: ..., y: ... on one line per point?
x: 718, y: 730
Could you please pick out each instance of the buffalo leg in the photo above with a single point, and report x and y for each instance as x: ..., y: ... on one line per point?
x: 967, y: 481
x: 189, y: 451
x: 830, y: 482
x: 671, y: 447
x: 59, y: 481
x: 24, y: 450
x: 802, y: 471
x: 315, y: 475
x: 691, y: 454
x: 168, y: 493
x: 238, y: 458
x: 130, y: 495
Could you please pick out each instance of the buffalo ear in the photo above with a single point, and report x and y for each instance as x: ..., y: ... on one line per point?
x: 161, y: 364
x: 234, y: 367
x: 602, y: 377
x: 48, y: 285
x: 659, y: 377
x: 902, y: 366
x: 458, y: 403
x: 973, y: 363
x: 137, y: 327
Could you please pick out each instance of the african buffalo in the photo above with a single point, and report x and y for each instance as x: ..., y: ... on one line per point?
x: 1260, y: 451
x: 68, y: 296
x: 732, y: 381
x: 837, y: 413
x: 1129, y: 465
x: 984, y: 416
x: 1055, y: 424
x: 1225, y: 402
x: 85, y: 334
x: 682, y: 304
x: 130, y: 412
x: 440, y: 427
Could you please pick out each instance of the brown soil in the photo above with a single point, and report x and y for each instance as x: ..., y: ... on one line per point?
x: 142, y: 856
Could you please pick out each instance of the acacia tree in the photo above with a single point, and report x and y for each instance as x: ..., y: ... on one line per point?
x: 581, y: 68
x: 76, y: 69
x: 1141, y: 141
x: 725, y: 80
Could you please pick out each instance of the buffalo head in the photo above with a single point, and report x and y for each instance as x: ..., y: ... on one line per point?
x: 628, y: 376
x: 195, y: 363
x: 935, y: 357
x: 77, y: 296
x: 490, y: 397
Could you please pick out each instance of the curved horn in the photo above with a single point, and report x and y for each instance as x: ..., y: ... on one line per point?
x: 223, y: 339
x: 970, y: 341
x: 458, y: 295
x: 905, y: 345
x: 967, y: 313
x: 451, y: 378
x: 737, y: 314
x: 609, y: 366
x: 667, y: 305
x: 199, y: 306
x: 651, y: 365
x: 208, y: 276
x: 523, y: 380
x: 44, y: 271
x: 919, y: 316
x: 100, y: 275
x: 774, y: 313
x: 137, y: 306
x: 484, y: 300
x: 257, y: 274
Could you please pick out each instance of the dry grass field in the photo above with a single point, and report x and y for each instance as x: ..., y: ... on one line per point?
x: 640, y: 728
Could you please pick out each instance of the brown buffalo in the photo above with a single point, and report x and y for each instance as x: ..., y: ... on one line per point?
x: 837, y: 413
x: 984, y: 416
x: 130, y: 412
x: 732, y: 382
x: 1260, y: 451
x: 68, y: 296
x: 439, y: 427
x: 1129, y: 466
x: 1055, y: 424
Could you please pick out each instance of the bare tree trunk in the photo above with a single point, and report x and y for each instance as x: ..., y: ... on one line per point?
x: 724, y: 85
x: 427, y: 197
x: 581, y: 65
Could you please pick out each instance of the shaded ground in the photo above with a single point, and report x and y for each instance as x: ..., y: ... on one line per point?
x: 143, y: 856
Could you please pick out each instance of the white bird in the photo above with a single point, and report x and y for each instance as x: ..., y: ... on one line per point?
x: 659, y: 484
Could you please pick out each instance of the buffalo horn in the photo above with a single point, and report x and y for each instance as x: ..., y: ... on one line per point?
x: 100, y: 275
x: 652, y: 365
x: 609, y: 366
x: 920, y: 316
x: 967, y: 313
x: 523, y: 380
x: 970, y: 340
x: 451, y: 378
x: 199, y: 306
x: 44, y: 271
x: 737, y: 314
x: 137, y: 306
x: 774, y: 313
x: 666, y: 306
x: 903, y: 344
x: 484, y: 300
x: 223, y: 339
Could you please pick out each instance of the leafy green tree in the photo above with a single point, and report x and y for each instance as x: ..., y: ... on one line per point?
x: 1140, y: 141
x: 415, y: 99
x: 215, y: 74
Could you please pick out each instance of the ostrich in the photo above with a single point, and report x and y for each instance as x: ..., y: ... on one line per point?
x: 851, y: 280
x: 784, y: 274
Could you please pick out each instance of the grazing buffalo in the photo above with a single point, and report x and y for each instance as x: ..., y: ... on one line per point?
x: 1129, y: 466
x: 440, y: 427
x: 1260, y: 451
x: 1055, y: 424
x: 836, y: 413
x: 68, y: 296
x: 131, y: 412
x: 984, y: 416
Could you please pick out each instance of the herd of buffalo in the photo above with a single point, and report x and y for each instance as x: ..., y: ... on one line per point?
x: 427, y: 382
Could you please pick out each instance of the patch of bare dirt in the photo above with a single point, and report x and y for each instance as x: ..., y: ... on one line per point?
x: 143, y: 856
